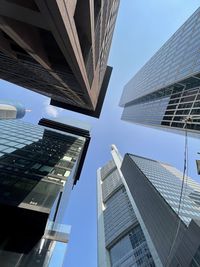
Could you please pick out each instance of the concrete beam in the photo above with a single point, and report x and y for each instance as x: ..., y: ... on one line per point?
x: 5, y: 46
x: 27, y: 37
x: 22, y: 14
x: 64, y: 31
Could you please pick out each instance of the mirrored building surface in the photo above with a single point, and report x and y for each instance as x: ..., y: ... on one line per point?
x: 168, y: 217
x: 165, y: 92
x: 59, y: 49
x: 39, y: 164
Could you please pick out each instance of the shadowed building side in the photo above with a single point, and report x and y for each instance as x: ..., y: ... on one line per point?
x: 155, y: 189
x: 39, y: 165
x: 59, y: 49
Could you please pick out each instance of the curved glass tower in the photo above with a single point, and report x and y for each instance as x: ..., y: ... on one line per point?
x: 11, y: 110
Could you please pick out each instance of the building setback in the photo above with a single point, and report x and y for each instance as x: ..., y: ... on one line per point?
x: 165, y: 92
x: 59, y: 49
x: 121, y: 241
x: 154, y: 189
x: 39, y: 164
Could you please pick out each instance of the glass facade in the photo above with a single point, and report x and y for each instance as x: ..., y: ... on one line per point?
x: 124, y: 239
x: 150, y: 113
x: 196, y: 259
x: 166, y: 90
x: 175, y: 60
x: 167, y: 181
x: 131, y: 250
x: 38, y: 166
x: 35, y: 163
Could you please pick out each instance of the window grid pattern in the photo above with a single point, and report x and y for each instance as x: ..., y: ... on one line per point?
x: 126, y: 249
x: 150, y: 113
x: 167, y: 181
x: 35, y: 163
x: 118, y: 215
x: 105, y: 170
x: 111, y: 183
x: 175, y: 60
x: 109, y: 12
x: 182, y: 105
x: 171, y: 111
x: 131, y: 250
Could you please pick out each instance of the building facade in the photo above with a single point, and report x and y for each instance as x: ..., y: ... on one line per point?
x: 171, y: 225
x: 59, y: 49
x: 165, y: 93
x: 11, y: 110
x: 39, y: 165
x: 121, y: 241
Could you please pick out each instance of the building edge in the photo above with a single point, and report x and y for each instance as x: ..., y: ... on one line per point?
x: 73, y: 130
x: 118, y: 160
x: 103, y: 259
x: 97, y: 110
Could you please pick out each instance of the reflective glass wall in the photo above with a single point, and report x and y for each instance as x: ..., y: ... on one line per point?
x: 165, y: 91
x: 124, y: 240
x: 37, y: 167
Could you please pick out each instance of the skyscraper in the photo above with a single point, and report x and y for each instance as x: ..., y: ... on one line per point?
x: 39, y: 165
x: 165, y: 93
x: 172, y: 225
x: 121, y: 241
x: 11, y: 110
x: 59, y: 49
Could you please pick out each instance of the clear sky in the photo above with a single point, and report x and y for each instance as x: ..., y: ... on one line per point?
x: 142, y: 27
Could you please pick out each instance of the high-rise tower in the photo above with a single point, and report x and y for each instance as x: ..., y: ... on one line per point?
x: 121, y: 241
x: 141, y: 220
x: 171, y: 224
x: 165, y: 92
x: 39, y: 164
x: 59, y: 49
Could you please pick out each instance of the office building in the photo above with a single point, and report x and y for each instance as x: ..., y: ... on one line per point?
x: 59, y: 49
x: 39, y: 165
x: 165, y: 93
x: 11, y: 110
x: 171, y: 225
x: 121, y: 241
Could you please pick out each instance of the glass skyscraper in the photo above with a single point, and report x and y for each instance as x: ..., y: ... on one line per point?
x: 39, y: 165
x: 121, y: 241
x: 165, y: 92
x: 154, y: 189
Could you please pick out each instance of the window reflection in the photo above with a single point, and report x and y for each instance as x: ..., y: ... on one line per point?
x: 33, y: 170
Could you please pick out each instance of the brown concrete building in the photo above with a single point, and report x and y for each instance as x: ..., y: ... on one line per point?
x: 59, y: 48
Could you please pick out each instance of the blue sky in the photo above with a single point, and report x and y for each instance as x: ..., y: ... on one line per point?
x: 142, y: 27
